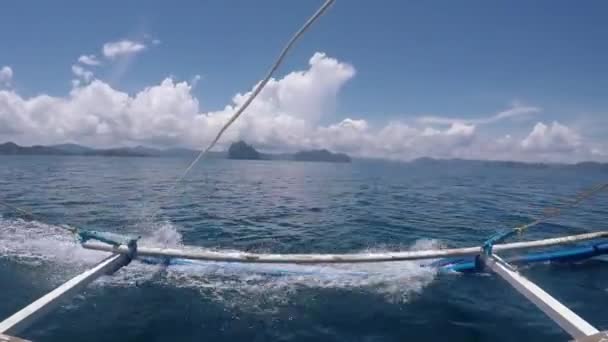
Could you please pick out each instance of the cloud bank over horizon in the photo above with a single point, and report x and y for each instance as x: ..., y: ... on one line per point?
x: 286, y: 116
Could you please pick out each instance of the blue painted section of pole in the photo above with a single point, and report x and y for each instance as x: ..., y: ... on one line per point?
x: 572, y: 254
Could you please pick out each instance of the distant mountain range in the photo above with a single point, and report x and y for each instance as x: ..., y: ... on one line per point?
x: 245, y: 151
x: 238, y: 150
x: 509, y: 164
x: 79, y: 150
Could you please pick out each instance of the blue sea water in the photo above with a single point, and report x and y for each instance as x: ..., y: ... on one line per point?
x: 289, y: 207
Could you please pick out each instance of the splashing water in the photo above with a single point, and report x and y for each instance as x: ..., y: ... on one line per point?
x: 39, y: 243
x: 51, y: 247
x: 164, y: 235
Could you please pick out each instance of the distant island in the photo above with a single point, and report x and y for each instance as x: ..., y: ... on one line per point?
x: 321, y: 155
x: 241, y: 150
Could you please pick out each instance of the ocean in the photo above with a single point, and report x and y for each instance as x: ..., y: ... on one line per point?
x: 290, y: 207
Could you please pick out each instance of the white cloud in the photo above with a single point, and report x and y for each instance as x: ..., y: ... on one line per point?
x: 90, y: 60
x: 398, y: 140
x: 303, y: 94
x: 6, y: 76
x: 516, y: 110
x: 555, y: 138
x: 82, y: 73
x: 194, y: 80
x: 284, y: 117
x: 120, y: 48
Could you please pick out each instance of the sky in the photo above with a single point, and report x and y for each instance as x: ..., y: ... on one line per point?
x: 510, y: 80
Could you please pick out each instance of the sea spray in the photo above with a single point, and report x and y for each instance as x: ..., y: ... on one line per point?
x: 54, y: 248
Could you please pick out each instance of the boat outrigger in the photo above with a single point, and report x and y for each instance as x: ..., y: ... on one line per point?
x: 469, y: 259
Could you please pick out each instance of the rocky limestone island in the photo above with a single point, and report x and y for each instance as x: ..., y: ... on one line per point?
x: 241, y: 150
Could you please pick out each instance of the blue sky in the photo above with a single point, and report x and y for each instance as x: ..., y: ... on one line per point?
x: 464, y: 59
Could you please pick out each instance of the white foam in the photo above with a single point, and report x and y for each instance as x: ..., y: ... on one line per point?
x: 52, y: 250
x: 234, y: 284
x: 238, y: 284
x: 36, y: 241
x: 163, y: 235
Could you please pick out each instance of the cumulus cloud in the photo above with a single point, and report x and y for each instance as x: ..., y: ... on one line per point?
x: 6, y: 76
x: 303, y: 94
x: 82, y: 73
x: 121, y: 48
x: 284, y: 117
x: 555, y: 138
x: 90, y: 60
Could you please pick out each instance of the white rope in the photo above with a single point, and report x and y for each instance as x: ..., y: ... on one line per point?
x: 260, y: 85
x: 245, y: 104
x: 558, y: 210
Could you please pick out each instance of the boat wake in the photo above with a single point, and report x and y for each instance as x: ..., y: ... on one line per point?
x: 59, y: 256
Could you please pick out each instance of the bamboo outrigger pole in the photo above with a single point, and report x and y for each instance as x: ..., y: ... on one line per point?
x: 244, y: 257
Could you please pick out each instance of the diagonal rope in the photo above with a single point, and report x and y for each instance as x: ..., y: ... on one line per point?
x: 29, y: 215
x: 258, y: 88
x: 550, y: 213
x: 553, y: 212
x: 22, y: 212
x: 260, y: 85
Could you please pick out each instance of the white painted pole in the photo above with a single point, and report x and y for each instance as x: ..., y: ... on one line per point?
x: 209, y: 255
x: 559, y: 313
x: 26, y: 316
x: 6, y: 338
